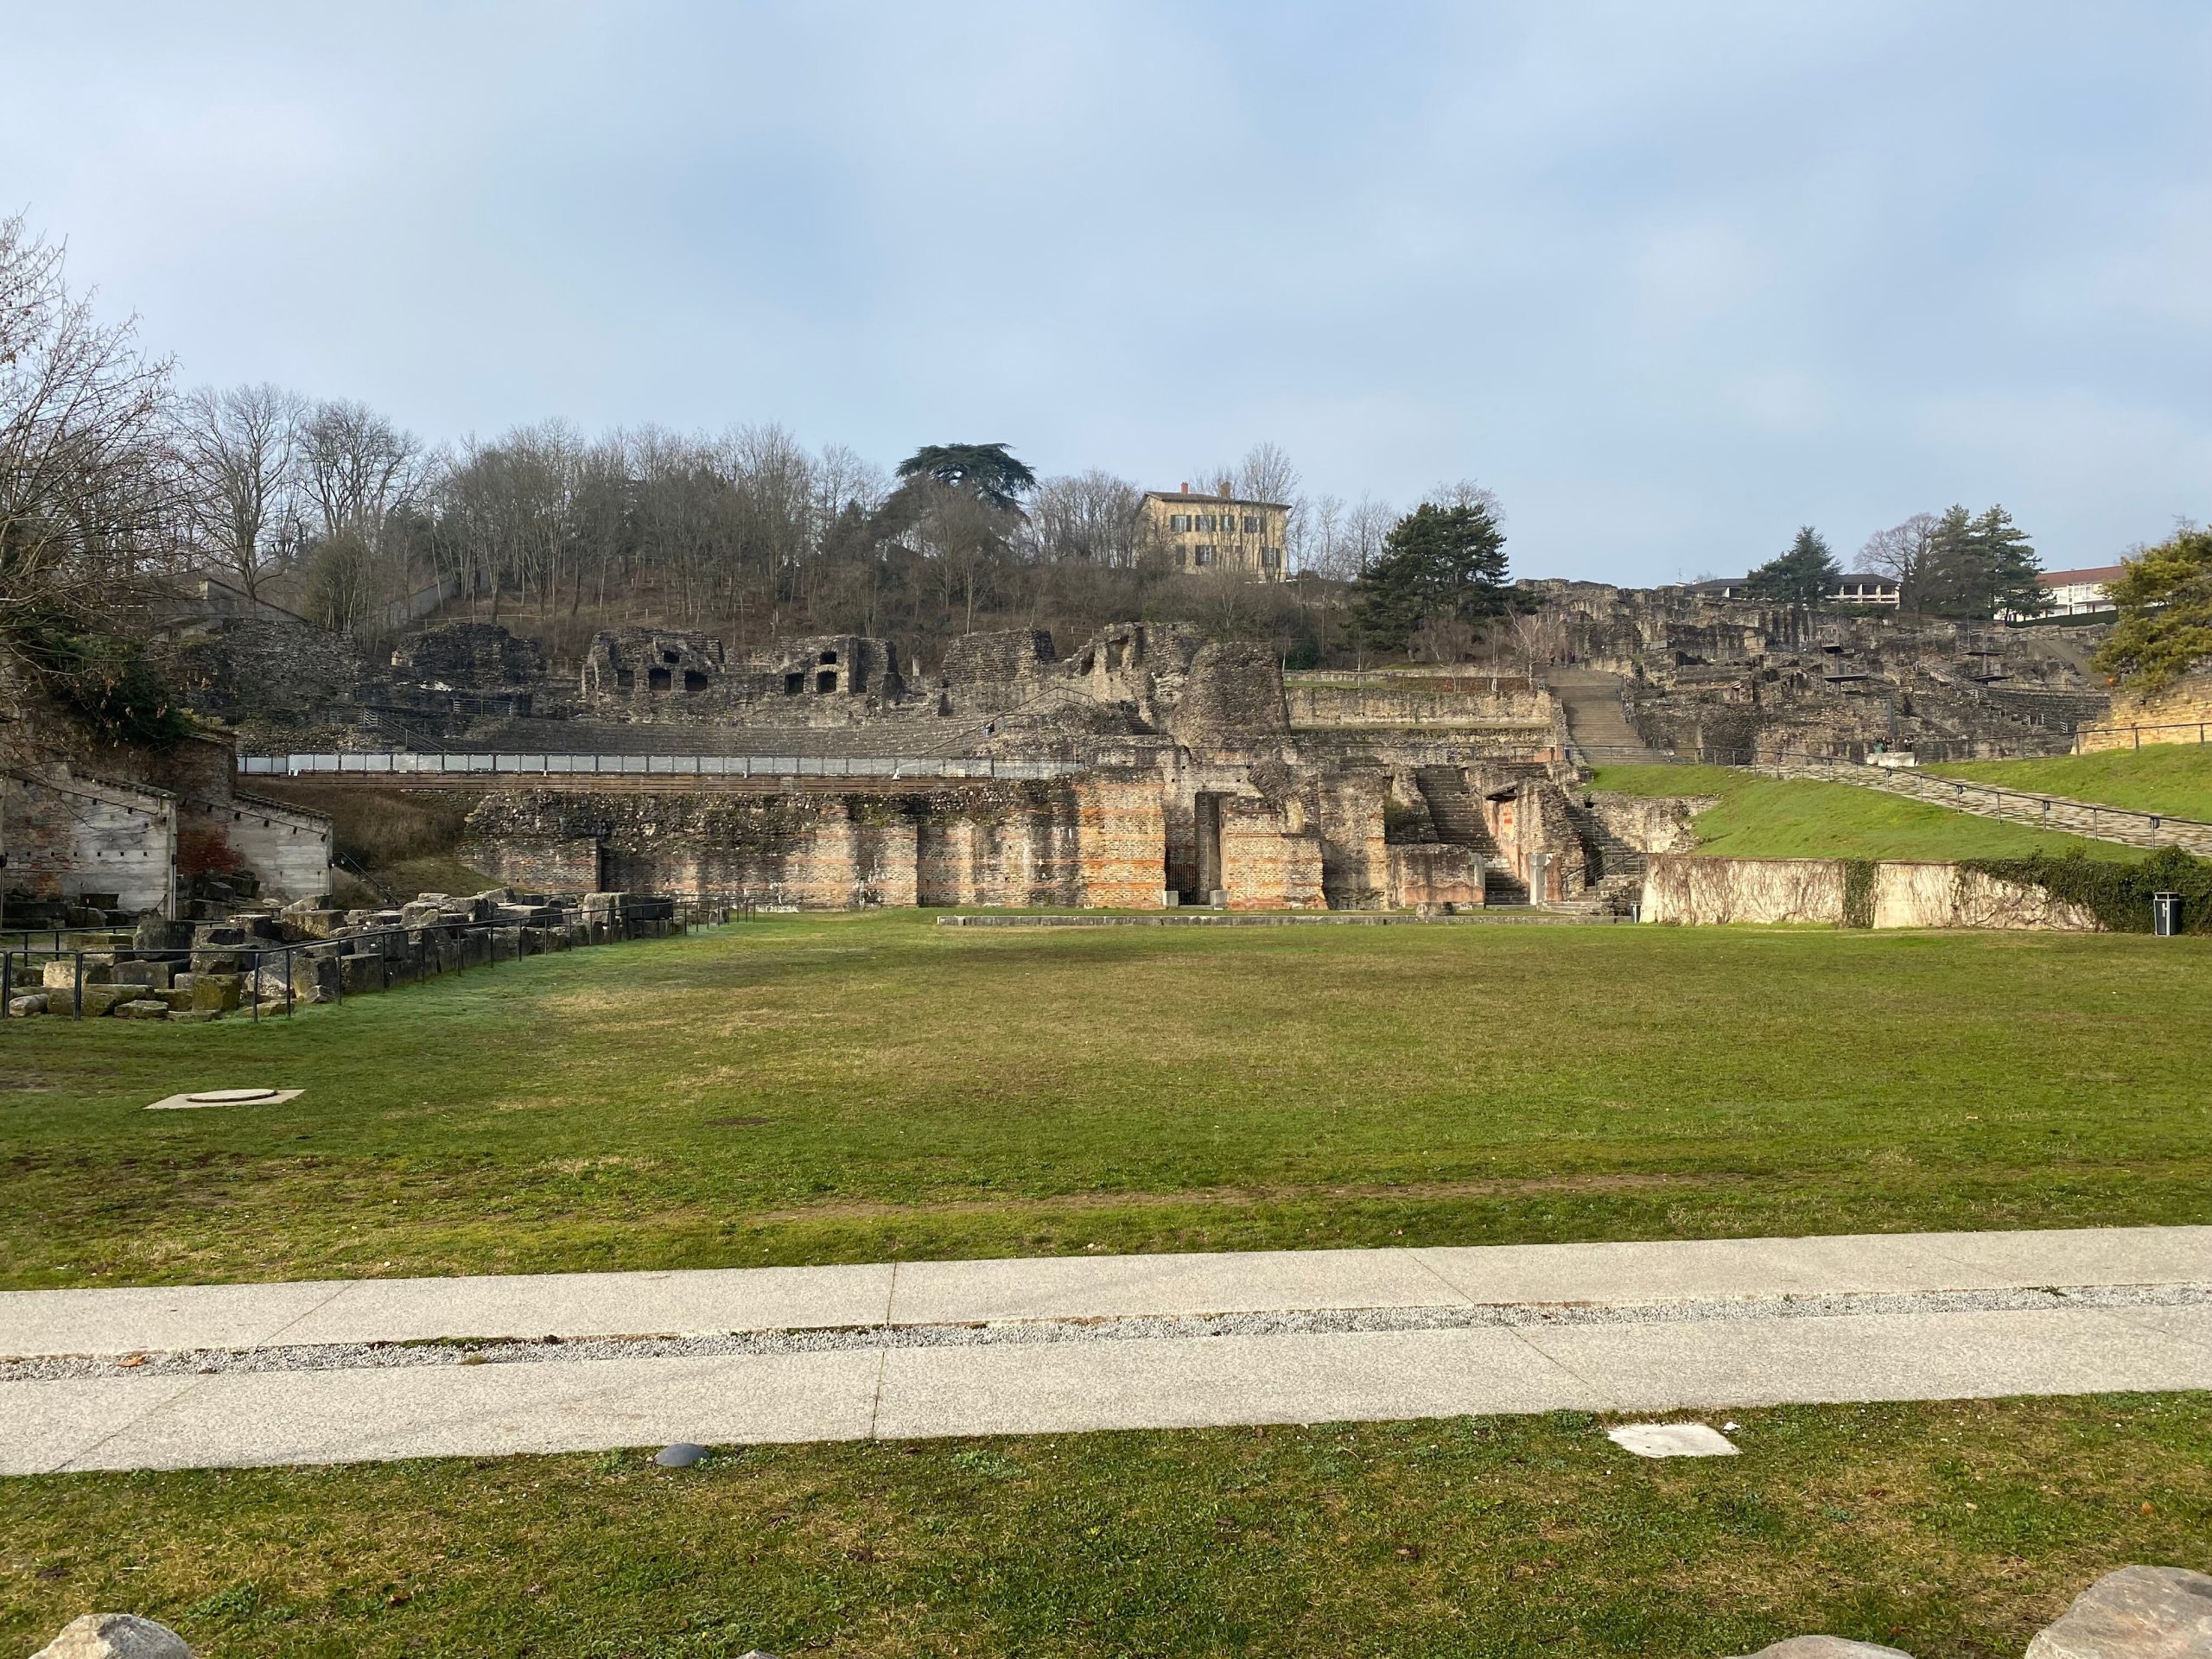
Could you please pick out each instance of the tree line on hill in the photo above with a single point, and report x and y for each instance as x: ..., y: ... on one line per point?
x: 1952, y: 563
x: 112, y: 479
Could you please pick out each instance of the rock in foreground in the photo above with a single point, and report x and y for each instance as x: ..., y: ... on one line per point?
x: 2139, y: 1612
x: 114, y: 1636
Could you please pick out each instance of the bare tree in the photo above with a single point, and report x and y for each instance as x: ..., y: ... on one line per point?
x: 357, y: 466
x: 1367, y: 526
x: 1091, y: 516
x: 1901, y: 551
x: 237, y: 449
x: 87, y: 485
x: 1266, y: 473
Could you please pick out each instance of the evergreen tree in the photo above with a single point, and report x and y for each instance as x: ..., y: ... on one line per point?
x: 984, y: 470
x: 1437, y: 563
x: 2012, y: 565
x: 1979, y: 565
x: 1806, y: 575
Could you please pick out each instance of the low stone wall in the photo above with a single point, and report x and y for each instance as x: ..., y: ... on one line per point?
x: 1650, y: 823
x: 2181, y: 712
x: 270, y: 962
x: 1687, y: 891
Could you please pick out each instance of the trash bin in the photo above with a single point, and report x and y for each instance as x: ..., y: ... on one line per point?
x: 2165, y: 914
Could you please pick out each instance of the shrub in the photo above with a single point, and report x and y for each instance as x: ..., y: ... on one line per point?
x: 2118, y: 895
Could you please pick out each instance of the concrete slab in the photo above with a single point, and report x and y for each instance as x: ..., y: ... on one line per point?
x: 1111, y: 1286
x: 142, y: 1319
x: 1867, y: 1262
x: 1192, y: 1382
x: 702, y: 1302
x: 1672, y: 1441
x: 1878, y: 1356
x: 210, y: 1099
x: 244, y: 1419
x: 44, y: 1425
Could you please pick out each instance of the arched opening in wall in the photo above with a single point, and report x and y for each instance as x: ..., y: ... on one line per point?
x: 693, y: 680
x: 794, y: 684
x: 656, y: 680
x: 671, y: 657
x: 826, y: 680
x: 624, y: 679
x: 829, y: 656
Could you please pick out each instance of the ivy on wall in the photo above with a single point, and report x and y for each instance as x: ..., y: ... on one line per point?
x: 2118, y: 895
x: 1858, y: 892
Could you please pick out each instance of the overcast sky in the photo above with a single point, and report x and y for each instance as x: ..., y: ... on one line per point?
x: 1671, y: 278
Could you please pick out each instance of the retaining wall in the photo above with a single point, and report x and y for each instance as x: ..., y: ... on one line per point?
x: 1699, y: 892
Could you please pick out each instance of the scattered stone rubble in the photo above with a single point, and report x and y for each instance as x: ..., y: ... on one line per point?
x: 2138, y: 1613
x: 190, y: 972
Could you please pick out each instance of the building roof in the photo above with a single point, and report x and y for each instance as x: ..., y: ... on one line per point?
x: 1206, y: 498
x: 1862, y: 576
x: 2098, y: 573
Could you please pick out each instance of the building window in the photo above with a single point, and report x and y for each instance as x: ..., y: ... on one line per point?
x: 1251, y: 524
x: 1179, y: 521
x: 1206, y: 521
x: 1271, y: 557
x: 1204, y: 555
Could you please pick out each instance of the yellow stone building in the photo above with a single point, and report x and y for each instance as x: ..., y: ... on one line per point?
x: 1203, y: 532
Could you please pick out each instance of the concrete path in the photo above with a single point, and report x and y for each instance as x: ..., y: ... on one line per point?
x: 308, y: 1373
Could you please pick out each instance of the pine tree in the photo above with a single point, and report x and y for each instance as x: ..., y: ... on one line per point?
x: 1952, y: 577
x: 1437, y: 561
x: 2165, y: 595
x: 2012, y: 565
x: 1806, y: 575
x: 1979, y: 566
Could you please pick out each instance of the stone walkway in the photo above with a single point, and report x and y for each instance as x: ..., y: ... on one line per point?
x: 218, y: 1376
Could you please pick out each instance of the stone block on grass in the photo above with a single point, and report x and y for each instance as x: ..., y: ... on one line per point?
x: 114, y: 1636
x: 2138, y: 1613
x: 100, y: 1000
x: 28, y: 1003
x: 60, y: 976
x: 154, y: 975
x: 214, y: 992
x: 142, y: 1007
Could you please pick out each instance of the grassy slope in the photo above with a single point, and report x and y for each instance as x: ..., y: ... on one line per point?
x: 1953, y: 1531
x: 2174, y: 777
x: 1779, y: 817
x: 831, y: 1088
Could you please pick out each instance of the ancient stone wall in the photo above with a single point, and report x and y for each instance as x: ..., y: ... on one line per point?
x: 468, y: 657
x: 1651, y: 824
x: 1266, y: 864
x: 271, y: 676
x: 1233, y: 691
x: 1434, y: 875
x: 2179, y: 713
x: 1440, y: 700
x: 70, y: 835
x: 988, y: 673
x: 1096, y: 843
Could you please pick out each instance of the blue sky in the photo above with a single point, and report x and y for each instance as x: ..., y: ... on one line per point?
x: 1672, y: 279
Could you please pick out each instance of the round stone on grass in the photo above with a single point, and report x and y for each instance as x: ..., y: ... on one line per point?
x: 682, y: 1455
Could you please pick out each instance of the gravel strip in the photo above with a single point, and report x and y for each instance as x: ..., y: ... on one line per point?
x: 341, y: 1357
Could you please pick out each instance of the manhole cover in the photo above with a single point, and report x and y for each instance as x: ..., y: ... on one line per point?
x: 228, y: 1097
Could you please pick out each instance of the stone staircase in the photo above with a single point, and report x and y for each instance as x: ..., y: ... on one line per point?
x: 1596, y: 719
x: 1458, y: 819
x: 1617, y: 868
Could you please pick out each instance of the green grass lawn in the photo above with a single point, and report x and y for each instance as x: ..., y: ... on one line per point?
x: 1954, y: 1531
x: 833, y: 1088
x: 1792, y: 817
x: 2174, y: 777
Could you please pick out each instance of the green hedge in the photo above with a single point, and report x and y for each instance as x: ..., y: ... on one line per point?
x: 2118, y: 895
